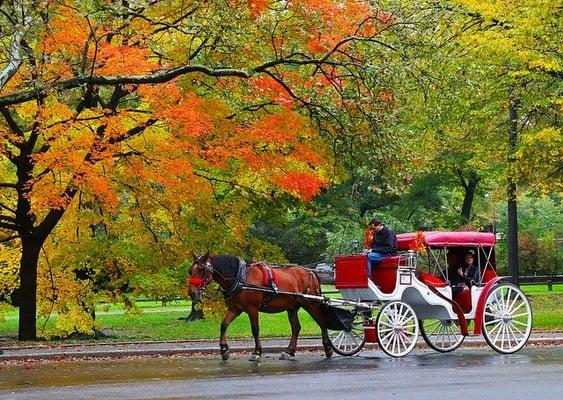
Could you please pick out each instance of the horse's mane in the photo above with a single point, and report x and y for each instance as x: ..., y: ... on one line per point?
x: 227, y: 266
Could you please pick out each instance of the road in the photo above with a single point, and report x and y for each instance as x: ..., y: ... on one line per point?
x: 533, y: 373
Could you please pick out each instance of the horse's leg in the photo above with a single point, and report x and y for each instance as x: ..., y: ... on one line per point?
x: 289, y: 353
x: 229, y: 317
x: 315, y: 310
x: 253, y: 316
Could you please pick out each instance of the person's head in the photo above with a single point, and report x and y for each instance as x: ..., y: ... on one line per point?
x: 376, y: 224
x: 469, y: 258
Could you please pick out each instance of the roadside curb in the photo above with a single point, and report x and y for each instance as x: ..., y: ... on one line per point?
x: 202, y: 348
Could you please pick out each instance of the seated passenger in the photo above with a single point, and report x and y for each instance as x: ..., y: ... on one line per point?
x: 383, y: 243
x: 462, y: 278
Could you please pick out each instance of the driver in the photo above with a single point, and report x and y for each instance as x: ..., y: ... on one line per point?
x: 383, y: 243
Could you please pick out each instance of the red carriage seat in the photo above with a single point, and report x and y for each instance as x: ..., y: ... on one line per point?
x: 431, y: 280
x: 488, y: 275
x: 463, y: 298
x: 384, y: 274
x: 351, y: 272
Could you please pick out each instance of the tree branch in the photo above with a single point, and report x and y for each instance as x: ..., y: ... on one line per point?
x: 157, y: 77
x: 15, y: 58
x: 8, y: 219
x: 11, y: 123
x: 168, y: 75
x: 461, y: 178
x: 9, y: 238
x: 11, y: 227
x: 5, y: 207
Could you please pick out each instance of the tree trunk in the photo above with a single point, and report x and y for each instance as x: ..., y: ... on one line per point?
x: 196, y: 312
x: 28, y: 289
x: 470, y: 187
x: 511, y: 193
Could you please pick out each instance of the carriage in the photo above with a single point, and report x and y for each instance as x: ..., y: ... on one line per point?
x: 409, y: 295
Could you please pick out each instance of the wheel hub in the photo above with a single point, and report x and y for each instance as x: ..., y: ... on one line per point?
x: 507, y: 318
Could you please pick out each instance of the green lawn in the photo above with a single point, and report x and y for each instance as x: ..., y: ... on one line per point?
x: 157, y: 321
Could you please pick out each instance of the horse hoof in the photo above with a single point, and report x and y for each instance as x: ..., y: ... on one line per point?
x: 329, y: 352
x: 286, y: 356
x: 255, y: 357
x: 225, y: 355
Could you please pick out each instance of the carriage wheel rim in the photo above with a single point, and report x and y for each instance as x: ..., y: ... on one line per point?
x: 443, y: 335
x: 397, y: 329
x: 507, y: 319
x: 347, y: 343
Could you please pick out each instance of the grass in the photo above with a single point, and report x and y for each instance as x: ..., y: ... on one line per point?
x: 157, y: 321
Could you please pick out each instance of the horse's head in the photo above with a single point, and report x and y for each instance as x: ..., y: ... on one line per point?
x: 201, y: 273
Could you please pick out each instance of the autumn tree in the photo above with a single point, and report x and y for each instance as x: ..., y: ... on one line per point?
x: 107, y: 104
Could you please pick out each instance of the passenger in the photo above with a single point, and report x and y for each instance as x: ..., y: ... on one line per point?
x: 462, y: 278
x: 383, y: 244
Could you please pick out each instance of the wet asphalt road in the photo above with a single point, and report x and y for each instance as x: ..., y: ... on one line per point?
x: 532, y: 373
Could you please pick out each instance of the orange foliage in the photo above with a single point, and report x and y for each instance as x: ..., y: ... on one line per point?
x: 122, y: 60
x: 301, y: 184
x: 67, y: 34
x: 272, y: 89
x: 368, y: 237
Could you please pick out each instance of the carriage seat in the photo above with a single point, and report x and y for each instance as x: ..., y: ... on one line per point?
x: 463, y: 298
x: 489, y: 275
x: 384, y: 274
x: 351, y: 272
x: 431, y: 280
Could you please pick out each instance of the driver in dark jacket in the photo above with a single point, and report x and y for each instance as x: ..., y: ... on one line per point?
x: 383, y: 245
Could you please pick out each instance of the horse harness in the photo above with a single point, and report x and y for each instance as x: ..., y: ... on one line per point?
x: 270, y: 280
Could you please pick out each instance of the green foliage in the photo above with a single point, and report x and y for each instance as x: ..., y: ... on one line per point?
x: 540, y: 256
x: 539, y: 225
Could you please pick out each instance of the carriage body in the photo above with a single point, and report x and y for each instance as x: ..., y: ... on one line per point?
x: 414, y: 287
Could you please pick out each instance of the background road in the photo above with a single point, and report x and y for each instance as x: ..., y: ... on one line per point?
x: 533, y: 373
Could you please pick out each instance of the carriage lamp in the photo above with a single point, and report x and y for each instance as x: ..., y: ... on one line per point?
x: 355, y: 244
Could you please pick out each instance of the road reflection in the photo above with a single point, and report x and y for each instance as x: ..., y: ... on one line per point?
x: 74, y: 373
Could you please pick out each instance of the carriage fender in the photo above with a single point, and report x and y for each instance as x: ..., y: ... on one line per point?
x: 481, y: 303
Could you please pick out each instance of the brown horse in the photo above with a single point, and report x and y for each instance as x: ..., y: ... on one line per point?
x: 235, y: 277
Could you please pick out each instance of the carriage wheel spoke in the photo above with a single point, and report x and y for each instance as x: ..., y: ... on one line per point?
x: 507, y: 321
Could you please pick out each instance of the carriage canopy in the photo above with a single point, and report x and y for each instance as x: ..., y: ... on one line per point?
x: 414, y: 241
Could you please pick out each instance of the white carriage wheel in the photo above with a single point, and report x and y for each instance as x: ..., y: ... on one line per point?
x: 397, y: 329
x: 507, y: 319
x: 443, y: 335
x: 349, y: 342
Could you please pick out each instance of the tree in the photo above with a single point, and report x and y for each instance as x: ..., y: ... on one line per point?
x: 106, y: 102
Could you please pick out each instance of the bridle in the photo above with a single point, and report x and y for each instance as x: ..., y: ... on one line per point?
x: 201, y: 283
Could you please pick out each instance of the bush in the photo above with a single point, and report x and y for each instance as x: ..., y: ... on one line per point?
x: 539, y: 256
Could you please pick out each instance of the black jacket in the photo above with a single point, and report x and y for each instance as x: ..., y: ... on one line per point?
x: 385, y: 242
x: 470, y: 275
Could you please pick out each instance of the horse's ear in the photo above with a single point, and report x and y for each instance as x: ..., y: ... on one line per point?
x: 194, y: 255
x: 206, y: 256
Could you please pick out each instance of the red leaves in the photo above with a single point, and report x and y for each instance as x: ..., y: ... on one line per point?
x: 301, y: 184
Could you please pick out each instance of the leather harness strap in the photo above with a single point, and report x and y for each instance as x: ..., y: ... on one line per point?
x: 239, y: 281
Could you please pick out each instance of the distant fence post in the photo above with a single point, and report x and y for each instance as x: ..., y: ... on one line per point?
x: 549, y: 285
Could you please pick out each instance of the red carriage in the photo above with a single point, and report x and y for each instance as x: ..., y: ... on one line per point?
x: 411, y: 295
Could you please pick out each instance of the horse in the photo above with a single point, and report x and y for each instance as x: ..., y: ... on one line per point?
x: 244, y: 291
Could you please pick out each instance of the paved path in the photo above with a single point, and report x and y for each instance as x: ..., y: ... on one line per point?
x: 476, y: 373
x: 207, y: 347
